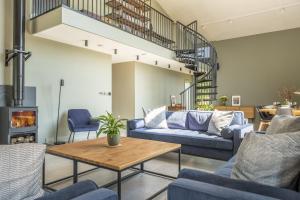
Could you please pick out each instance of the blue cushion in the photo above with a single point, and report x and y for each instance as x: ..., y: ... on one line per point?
x: 198, y: 120
x: 185, y: 137
x: 177, y: 120
x: 136, y: 123
x: 100, y: 194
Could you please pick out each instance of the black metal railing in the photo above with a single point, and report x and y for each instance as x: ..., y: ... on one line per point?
x: 199, y: 55
x: 134, y: 16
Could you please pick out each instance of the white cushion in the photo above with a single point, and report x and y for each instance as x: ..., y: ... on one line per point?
x: 219, y: 121
x: 21, y: 168
x: 156, y: 118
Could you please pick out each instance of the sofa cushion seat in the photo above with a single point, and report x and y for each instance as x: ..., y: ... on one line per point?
x: 87, y: 127
x: 184, y: 137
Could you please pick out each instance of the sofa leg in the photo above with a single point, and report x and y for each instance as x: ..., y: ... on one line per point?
x: 70, y: 137
x: 88, y: 135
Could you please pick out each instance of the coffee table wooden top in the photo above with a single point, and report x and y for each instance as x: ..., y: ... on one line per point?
x: 131, y: 152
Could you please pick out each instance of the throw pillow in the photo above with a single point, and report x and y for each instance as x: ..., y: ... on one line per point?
x: 21, y: 168
x: 268, y: 159
x: 219, y: 121
x: 227, y: 133
x: 156, y: 118
x: 283, y: 124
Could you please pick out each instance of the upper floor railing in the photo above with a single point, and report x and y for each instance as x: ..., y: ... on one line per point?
x: 133, y: 16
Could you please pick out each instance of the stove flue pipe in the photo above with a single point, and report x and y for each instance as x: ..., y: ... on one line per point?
x: 19, y: 48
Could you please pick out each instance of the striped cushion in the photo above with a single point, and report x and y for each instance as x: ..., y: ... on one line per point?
x: 21, y: 171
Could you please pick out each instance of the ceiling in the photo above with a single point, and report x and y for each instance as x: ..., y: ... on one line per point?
x: 227, y: 19
x: 119, y: 52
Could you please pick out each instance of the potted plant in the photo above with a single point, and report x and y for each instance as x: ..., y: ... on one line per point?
x: 287, y: 95
x: 110, y: 126
x: 205, y: 107
x: 223, y: 100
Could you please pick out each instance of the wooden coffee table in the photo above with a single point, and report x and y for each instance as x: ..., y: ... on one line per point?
x: 131, y: 153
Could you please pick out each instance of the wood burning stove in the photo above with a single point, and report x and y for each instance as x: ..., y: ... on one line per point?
x: 18, y: 122
x: 18, y: 125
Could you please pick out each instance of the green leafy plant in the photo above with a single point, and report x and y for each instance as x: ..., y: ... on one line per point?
x: 109, y: 125
x: 205, y: 107
x: 223, y: 100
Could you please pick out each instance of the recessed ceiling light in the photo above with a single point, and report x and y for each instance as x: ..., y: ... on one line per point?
x: 86, y: 43
x: 282, y: 10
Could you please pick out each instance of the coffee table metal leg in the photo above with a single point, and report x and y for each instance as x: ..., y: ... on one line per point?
x: 119, y: 184
x: 179, y: 160
x: 75, y: 171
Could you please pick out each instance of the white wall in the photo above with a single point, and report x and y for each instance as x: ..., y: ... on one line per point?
x: 154, y: 86
x: 86, y: 73
x: 123, y: 93
x: 137, y: 85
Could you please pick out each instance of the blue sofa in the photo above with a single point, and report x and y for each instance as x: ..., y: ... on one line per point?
x: 85, y: 190
x: 197, y: 185
x: 189, y: 128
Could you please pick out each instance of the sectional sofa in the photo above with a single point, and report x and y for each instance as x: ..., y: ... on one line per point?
x: 197, y: 185
x: 189, y: 128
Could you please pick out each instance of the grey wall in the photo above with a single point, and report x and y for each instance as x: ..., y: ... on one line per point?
x: 256, y: 67
x: 86, y: 73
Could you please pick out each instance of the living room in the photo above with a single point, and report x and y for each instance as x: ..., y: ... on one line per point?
x: 149, y: 99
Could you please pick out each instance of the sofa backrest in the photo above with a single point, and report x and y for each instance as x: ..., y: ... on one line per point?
x: 197, y: 120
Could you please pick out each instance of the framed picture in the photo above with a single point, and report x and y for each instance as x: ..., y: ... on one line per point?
x: 173, y: 100
x: 236, y: 100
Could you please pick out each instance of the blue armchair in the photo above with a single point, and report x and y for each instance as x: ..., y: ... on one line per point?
x: 85, y: 190
x: 79, y: 120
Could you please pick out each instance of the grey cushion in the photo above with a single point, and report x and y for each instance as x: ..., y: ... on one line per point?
x: 185, y: 137
x: 284, y: 124
x: 219, y: 121
x: 177, y: 120
x: 228, y: 132
x: 21, y: 171
x: 268, y: 159
x: 198, y: 121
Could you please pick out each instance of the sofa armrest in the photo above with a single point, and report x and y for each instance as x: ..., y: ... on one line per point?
x: 194, y: 190
x: 135, y: 124
x: 239, y: 185
x: 72, y: 191
x: 239, y: 133
x: 100, y: 194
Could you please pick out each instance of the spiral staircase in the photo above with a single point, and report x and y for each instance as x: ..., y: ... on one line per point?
x: 200, y: 56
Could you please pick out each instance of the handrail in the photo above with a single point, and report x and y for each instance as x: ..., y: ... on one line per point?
x: 185, y: 90
x: 133, y: 16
